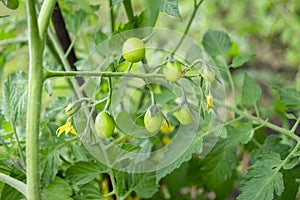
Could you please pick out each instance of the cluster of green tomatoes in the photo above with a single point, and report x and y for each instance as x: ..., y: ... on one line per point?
x: 134, y: 51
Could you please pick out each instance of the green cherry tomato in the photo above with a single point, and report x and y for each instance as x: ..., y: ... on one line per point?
x: 133, y: 50
x: 209, y: 74
x: 104, y: 125
x: 184, y: 116
x: 172, y: 71
x: 153, y: 119
x: 11, y: 4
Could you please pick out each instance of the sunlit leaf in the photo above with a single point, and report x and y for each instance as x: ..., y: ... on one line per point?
x: 216, y: 42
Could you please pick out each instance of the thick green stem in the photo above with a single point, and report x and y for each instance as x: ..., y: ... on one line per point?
x: 112, y: 16
x: 196, y: 6
x: 18, y: 185
x: 128, y: 9
x: 34, y: 103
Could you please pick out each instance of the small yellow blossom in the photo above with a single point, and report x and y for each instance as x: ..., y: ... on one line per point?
x: 166, y: 128
x: 166, y: 140
x: 209, y: 101
x: 67, y: 128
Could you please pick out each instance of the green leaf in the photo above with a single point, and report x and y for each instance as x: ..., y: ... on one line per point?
x: 218, y: 165
x: 195, y: 147
x: 144, y: 184
x: 50, y: 163
x: 100, y: 37
x: 48, y: 87
x: 263, y: 179
x: 77, y: 22
x: 58, y: 190
x: 15, y: 97
x: 290, y: 184
x: 290, y: 97
x: 170, y: 7
x: 82, y: 172
x: 88, y: 192
x: 293, y: 161
x: 251, y: 92
x: 216, y: 42
x: 241, y: 59
x: 9, y: 193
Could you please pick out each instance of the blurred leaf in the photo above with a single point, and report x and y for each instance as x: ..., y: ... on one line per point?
x: 56, y: 107
x: 218, y: 165
x: 50, y: 162
x: 9, y: 193
x: 290, y: 97
x: 88, y: 192
x: 251, y: 92
x: 144, y: 184
x: 14, y: 100
x: 239, y: 60
x: 58, y: 190
x: 290, y: 184
x: 48, y: 87
x: 115, y: 2
x: 83, y: 172
x: 170, y: 7
x: 77, y: 21
x: 216, y: 42
x: 150, y: 14
x: 195, y: 147
x: 100, y: 37
x: 263, y: 179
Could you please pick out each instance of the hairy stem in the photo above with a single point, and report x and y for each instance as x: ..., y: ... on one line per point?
x: 34, y: 103
x: 18, y: 185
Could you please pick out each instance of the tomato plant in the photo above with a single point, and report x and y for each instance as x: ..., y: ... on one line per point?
x: 213, y: 115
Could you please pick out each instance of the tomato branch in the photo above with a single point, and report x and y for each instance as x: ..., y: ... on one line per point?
x: 196, y: 7
x: 18, y: 185
x: 259, y: 120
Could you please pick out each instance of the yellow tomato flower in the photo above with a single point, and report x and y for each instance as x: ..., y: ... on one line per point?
x: 209, y: 101
x: 166, y: 140
x: 165, y: 128
x: 67, y: 128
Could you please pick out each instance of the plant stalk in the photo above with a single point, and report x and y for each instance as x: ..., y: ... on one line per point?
x: 196, y: 6
x: 34, y: 103
x: 18, y: 185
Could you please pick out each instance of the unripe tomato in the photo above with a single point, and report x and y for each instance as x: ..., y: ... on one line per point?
x: 11, y: 4
x: 153, y: 119
x: 133, y: 50
x: 184, y: 116
x: 208, y: 73
x: 172, y: 71
x: 104, y: 125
